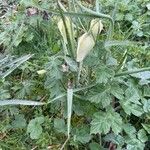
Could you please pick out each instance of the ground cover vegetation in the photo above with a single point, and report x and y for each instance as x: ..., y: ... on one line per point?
x: 75, y: 75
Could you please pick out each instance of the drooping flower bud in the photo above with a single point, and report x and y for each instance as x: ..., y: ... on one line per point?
x: 96, y: 27
x: 87, y: 41
x: 85, y: 44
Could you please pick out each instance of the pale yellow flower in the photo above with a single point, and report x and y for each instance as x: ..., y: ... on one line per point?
x: 96, y: 27
x: 85, y: 44
x: 87, y: 41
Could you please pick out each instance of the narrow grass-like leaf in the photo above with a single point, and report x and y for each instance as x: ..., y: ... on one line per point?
x: 118, y: 43
x: 132, y: 72
x: 3, y: 60
x: 69, y: 108
x: 23, y: 58
x: 69, y: 112
x: 20, y: 102
x: 14, y: 64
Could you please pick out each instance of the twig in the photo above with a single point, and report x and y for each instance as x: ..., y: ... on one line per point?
x: 65, y: 143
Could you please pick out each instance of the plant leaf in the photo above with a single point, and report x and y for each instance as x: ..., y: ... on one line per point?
x: 103, y: 96
x: 95, y: 146
x: 14, y: 64
x: 142, y: 75
x: 103, y: 121
x: 146, y: 127
x: 117, y: 91
x: 142, y: 135
x: 34, y: 127
x: 129, y: 129
x: 132, y: 95
x: 129, y: 108
x: 118, y: 43
x: 19, y: 122
x: 103, y: 74
x: 69, y: 108
x: 146, y: 105
x: 20, y: 102
x: 147, y: 91
x: 82, y: 134
x: 59, y: 125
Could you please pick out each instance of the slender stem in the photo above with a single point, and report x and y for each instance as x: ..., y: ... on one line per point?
x: 90, y: 15
x: 75, y: 10
x: 62, y: 7
x: 93, y: 12
x: 63, y: 146
x: 132, y: 72
x: 72, y: 41
x: 84, y: 88
x: 79, y: 72
x: 122, y: 62
x: 100, y: 139
x: 97, y: 6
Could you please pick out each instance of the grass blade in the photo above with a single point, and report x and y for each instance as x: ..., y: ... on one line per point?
x: 69, y: 108
x: 119, y: 43
x: 69, y: 112
x: 132, y: 72
x: 20, y: 102
x: 14, y: 64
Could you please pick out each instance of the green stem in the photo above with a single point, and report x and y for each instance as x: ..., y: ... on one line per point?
x: 72, y: 30
x: 79, y: 72
x: 132, y: 72
x: 100, y: 15
x: 63, y: 146
x: 97, y: 6
x: 89, y: 15
x: 84, y: 88
x: 94, y: 13
x: 122, y: 62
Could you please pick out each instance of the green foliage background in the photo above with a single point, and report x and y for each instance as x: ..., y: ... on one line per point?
x: 110, y: 109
